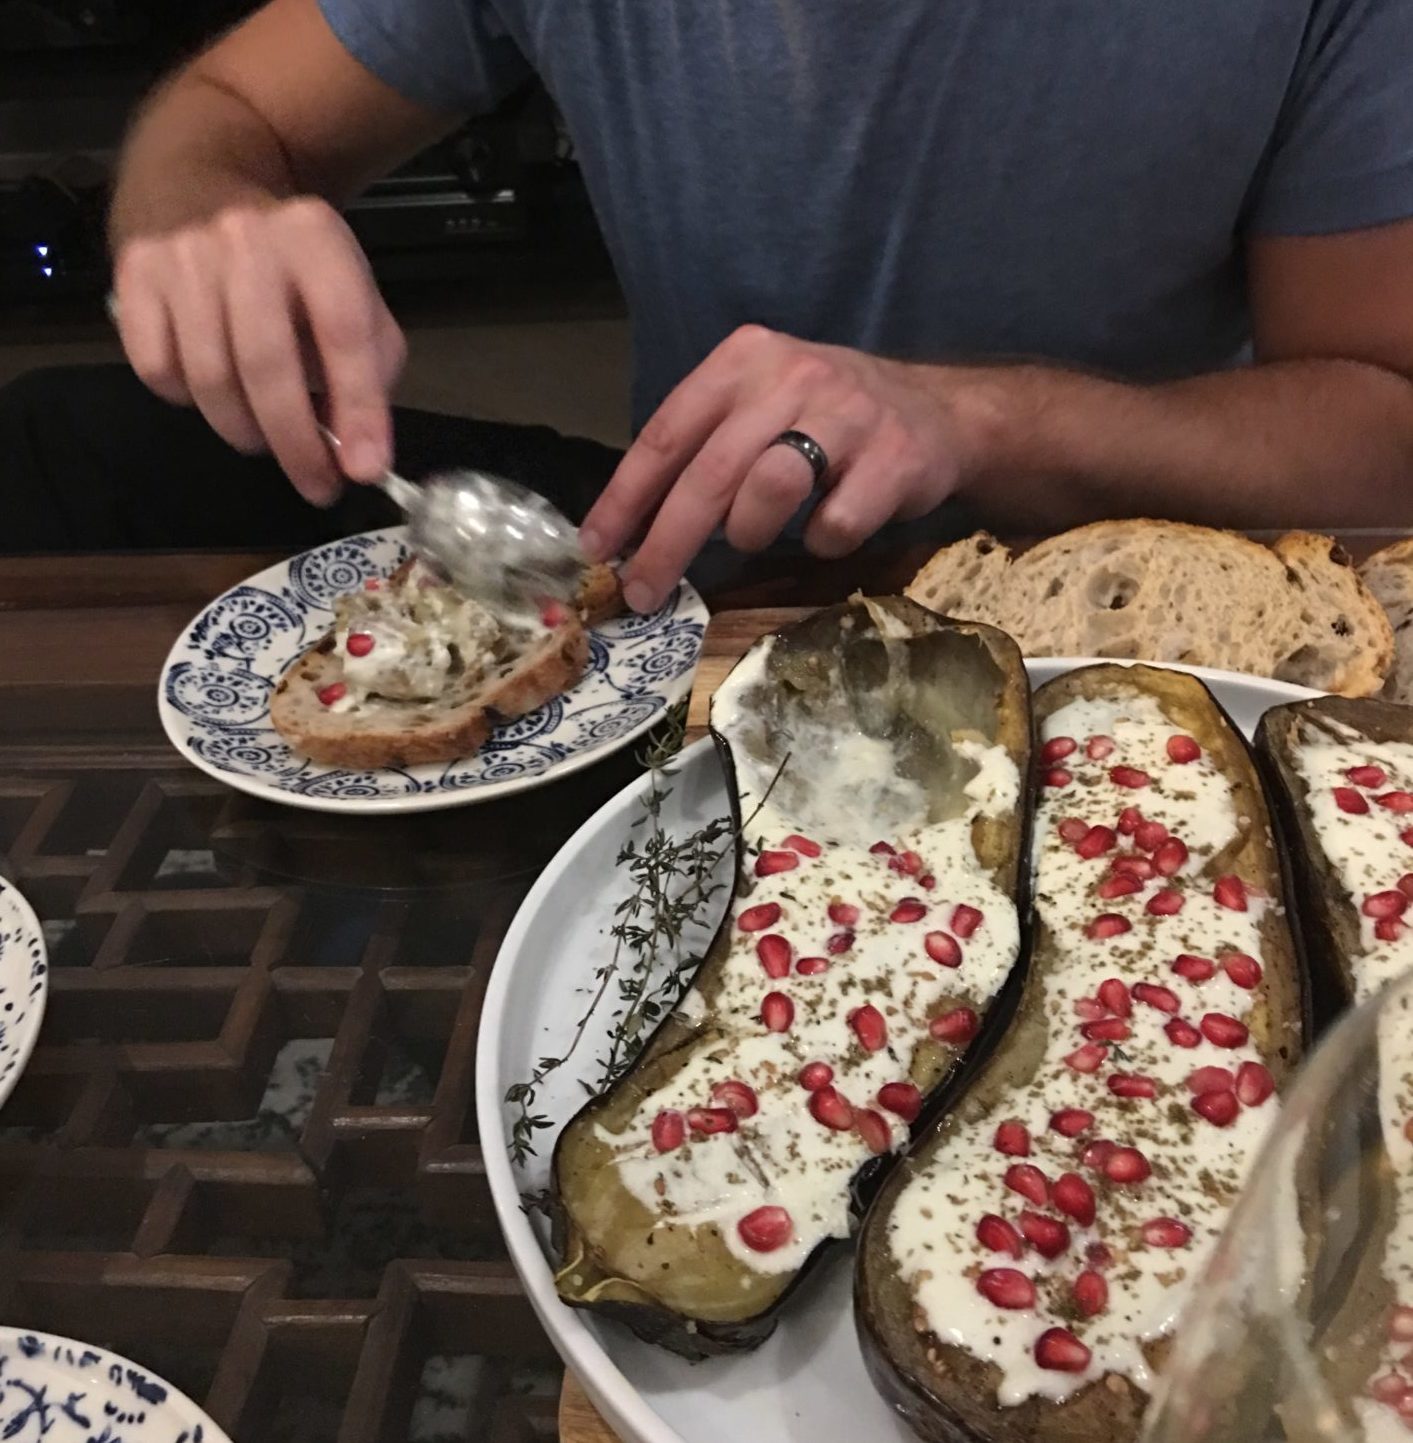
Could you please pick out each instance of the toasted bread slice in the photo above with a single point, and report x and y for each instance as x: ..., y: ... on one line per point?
x: 600, y: 595
x: 967, y: 580
x: 1389, y: 576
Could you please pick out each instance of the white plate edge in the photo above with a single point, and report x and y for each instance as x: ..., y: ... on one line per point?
x: 28, y: 915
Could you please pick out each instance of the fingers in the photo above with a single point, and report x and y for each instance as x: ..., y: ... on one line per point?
x: 777, y: 484
x: 144, y: 324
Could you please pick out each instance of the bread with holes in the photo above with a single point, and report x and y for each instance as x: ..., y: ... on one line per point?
x: 1388, y: 574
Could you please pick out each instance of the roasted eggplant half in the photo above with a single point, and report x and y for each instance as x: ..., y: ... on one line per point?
x: 1019, y: 1274
x: 876, y: 759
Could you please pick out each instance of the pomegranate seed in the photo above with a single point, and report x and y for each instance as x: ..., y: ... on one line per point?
x: 769, y: 863
x: 1387, y: 1388
x: 802, y: 845
x: 1367, y: 776
x: 1099, y: 747
x: 845, y: 914
x: 1006, y: 1288
x: 360, y: 643
x: 1149, y: 836
x: 1096, y: 841
x: 1071, y: 1121
x: 1058, y: 777
x: 766, y: 1229
x: 957, y: 1026
x: 1230, y: 892
x: 1219, y: 1108
x: 1114, y: 995
x: 777, y: 1012
x: 1223, y: 1031
x: 839, y: 942
x: 1097, y: 1153
x: 1194, y: 969
x: 902, y: 1099
x: 1130, y: 777
x: 1162, y: 998
x: 829, y: 1106
x: 869, y: 1027
x: 1404, y: 1407
x: 1405, y: 884
x: 1183, y: 749
x: 965, y: 920
x: 759, y: 917
x: 1182, y: 1033
x: 1126, y: 1164
x: 774, y: 953
x: 944, y: 949
x: 1118, y: 886
x: 1166, y: 903
x: 1048, y: 1236
x: 883, y: 849
x: 996, y: 1235
x: 372, y: 584
x: 1139, y: 868
x: 1166, y: 1233
x: 739, y: 1097
x: 927, y: 881
x: 1131, y: 1084
x: 875, y: 1132
x: 1348, y: 800
x: 1107, y: 1029
x: 1013, y: 1138
x: 814, y: 1075
x: 1388, y: 929
x: 708, y: 1120
x: 1072, y: 829
x: 1059, y: 1351
x: 909, y: 864
x: 1385, y: 904
x: 1400, y: 1324
x: 1396, y: 801
x: 1170, y: 858
x: 812, y: 966
x: 1406, y: 837
x: 1090, y: 1009
x: 1254, y: 1084
x: 553, y: 613
x: 908, y: 910
x: 1057, y: 749
x: 1027, y: 1180
x: 1106, y: 925
x: 335, y: 691
x: 1210, y: 1079
x: 1089, y: 1058
x: 669, y: 1129
x: 1130, y: 820
x: 1091, y: 1293
x: 1074, y: 1197
x: 1243, y: 970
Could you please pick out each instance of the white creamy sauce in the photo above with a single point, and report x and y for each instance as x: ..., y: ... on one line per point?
x: 1197, y: 1167
x: 781, y: 1156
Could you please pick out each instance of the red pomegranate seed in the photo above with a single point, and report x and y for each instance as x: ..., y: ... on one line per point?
x: 1254, y: 1084
x: 1107, y: 1029
x: 927, y: 881
x: 957, y: 1026
x: 1118, y: 886
x: 1059, y: 1351
x: 1385, y: 904
x: 1223, y: 1031
x: 1072, y: 829
x: 1096, y: 841
x: 1130, y: 777
x: 1091, y: 1293
x: 1090, y: 1009
x: 1106, y: 925
x: 869, y: 1027
x: 1006, y: 1288
x: 777, y: 1012
x: 373, y: 584
x: 1388, y: 1388
x: 1396, y: 801
x: 708, y: 1120
x: 1219, y: 1108
x: 1194, y: 969
x: 1404, y: 1408
x: 1139, y: 868
x: 1406, y: 837
x: 839, y: 942
x: 1027, y: 1180
x: 965, y: 920
x: 845, y: 914
x: 944, y: 949
x: 335, y: 691
x: 802, y: 845
x: 1405, y: 884
x: 1057, y: 749
x: 996, y: 1235
x: 738, y: 1096
x: 875, y: 1132
x: 1132, y: 1084
x: 1099, y: 747
x: 1058, y: 777
x: 902, y: 1099
x: 1170, y: 858
x: 1243, y: 970
x: 1126, y: 1164
x: 1097, y: 1153
x: 553, y: 613
x: 1166, y: 1233
x: 1162, y: 998
x: 1074, y: 1197
x: 1182, y: 1033
x: 1089, y: 1058
x: 1348, y: 800
x: 1071, y: 1121
x: 812, y: 966
x: 1048, y: 1236
x: 1114, y: 995
x: 910, y: 909
x: 829, y: 1106
x: 883, y: 849
x: 1013, y: 1138
x: 669, y: 1129
x: 769, y: 863
x: 775, y: 954
x: 1149, y: 836
x: 814, y: 1075
x: 1130, y: 819
x: 909, y: 864
x: 1230, y: 892
x: 1099, y: 1255
x: 766, y: 1229
x: 1400, y: 1324
x: 1367, y: 776
x: 1183, y: 749
x: 1388, y: 929
x: 1166, y: 903
x: 360, y: 643
x: 759, y: 917
x: 1210, y: 1079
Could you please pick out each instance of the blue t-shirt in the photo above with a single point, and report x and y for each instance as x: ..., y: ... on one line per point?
x: 940, y: 179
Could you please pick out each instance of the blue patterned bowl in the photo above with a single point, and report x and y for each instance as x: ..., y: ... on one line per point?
x: 24, y: 984
x: 214, y: 696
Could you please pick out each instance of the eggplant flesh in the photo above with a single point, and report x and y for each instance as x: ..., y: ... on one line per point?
x: 955, y: 1366
x: 870, y: 721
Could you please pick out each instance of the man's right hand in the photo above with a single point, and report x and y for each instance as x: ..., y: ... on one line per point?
x: 245, y: 314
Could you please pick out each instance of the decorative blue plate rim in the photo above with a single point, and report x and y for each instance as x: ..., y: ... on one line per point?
x: 24, y: 984
x: 89, y: 1395
x: 213, y: 695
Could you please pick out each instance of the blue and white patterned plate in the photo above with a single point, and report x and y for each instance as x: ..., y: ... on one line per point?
x: 65, y: 1392
x: 24, y: 984
x: 214, y: 696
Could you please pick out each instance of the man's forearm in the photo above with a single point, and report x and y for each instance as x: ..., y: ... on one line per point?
x: 1319, y: 443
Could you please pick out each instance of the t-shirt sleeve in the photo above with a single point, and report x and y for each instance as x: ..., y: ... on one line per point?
x: 1342, y: 157
x: 453, y: 55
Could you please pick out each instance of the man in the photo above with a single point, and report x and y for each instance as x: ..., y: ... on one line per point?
x: 835, y: 222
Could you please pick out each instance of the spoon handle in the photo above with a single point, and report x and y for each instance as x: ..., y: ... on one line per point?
x: 402, y: 491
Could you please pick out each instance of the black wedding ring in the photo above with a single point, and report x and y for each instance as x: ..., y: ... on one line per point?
x: 809, y: 448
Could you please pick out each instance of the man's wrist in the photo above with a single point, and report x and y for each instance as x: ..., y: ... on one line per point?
x: 986, y: 408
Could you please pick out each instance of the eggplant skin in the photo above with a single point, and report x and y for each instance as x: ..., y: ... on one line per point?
x: 944, y: 1393
x: 977, y: 672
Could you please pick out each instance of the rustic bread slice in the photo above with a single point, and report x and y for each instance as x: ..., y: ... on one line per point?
x: 967, y: 580
x: 600, y: 594
x: 1389, y: 576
